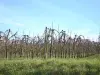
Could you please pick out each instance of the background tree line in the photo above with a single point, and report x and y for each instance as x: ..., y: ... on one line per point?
x: 53, y: 44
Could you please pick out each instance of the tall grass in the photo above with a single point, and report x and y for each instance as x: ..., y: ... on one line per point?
x: 36, y: 66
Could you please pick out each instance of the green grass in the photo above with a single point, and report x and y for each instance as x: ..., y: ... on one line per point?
x: 83, y: 66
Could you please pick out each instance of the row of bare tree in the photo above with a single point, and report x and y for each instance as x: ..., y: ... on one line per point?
x: 52, y: 44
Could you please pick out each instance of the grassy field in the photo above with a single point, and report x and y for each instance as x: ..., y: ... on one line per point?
x: 36, y: 66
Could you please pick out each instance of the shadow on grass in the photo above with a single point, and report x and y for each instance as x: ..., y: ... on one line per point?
x: 5, y: 71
